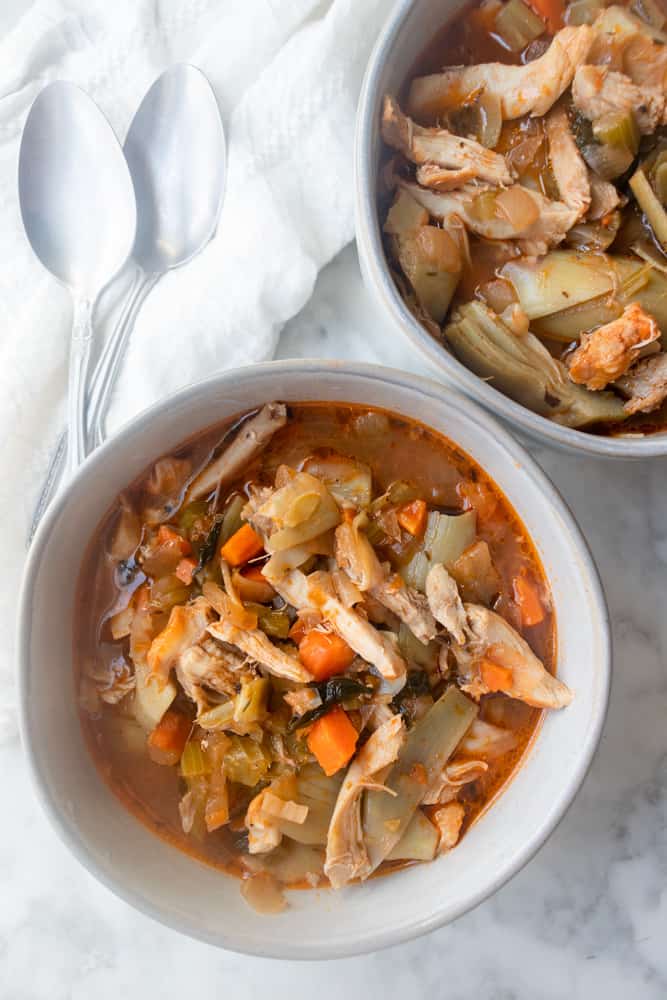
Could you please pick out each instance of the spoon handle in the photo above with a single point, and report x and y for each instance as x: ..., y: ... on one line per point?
x: 79, y: 360
x: 101, y: 386
x: 111, y: 358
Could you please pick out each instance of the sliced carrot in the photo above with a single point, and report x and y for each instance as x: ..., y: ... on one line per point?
x: 186, y: 570
x: 528, y: 600
x: 551, y: 11
x: 324, y: 654
x: 412, y: 516
x: 244, y: 544
x: 332, y: 740
x: 167, y: 536
x: 495, y: 677
x: 170, y: 736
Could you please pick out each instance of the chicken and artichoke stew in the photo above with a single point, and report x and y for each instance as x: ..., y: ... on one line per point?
x: 523, y: 197
x: 312, y: 645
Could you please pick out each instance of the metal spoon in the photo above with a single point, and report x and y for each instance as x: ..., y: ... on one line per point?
x: 175, y: 149
x: 79, y: 214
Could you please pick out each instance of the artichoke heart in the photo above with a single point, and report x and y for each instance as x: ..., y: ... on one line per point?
x: 521, y: 367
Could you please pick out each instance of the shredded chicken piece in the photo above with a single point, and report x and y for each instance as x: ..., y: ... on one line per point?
x: 378, y: 614
x: 443, y: 179
x: 293, y: 812
x: 356, y: 555
x: 108, y: 682
x: 346, y: 590
x: 451, y: 779
x: 316, y: 591
x: 408, y: 605
x: 623, y: 41
x: 258, y: 647
x: 186, y: 627
x: 597, y: 90
x: 547, y: 225
x: 491, y: 637
x: 441, y: 148
x: 486, y: 740
x: 531, y: 89
x: 445, y: 602
x: 346, y: 856
x: 645, y: 384
x: 605, y: 354
x: 604, y: 197
x: 198, y: 669
x: 253, y: 435
x: 567, y: 163
x: 449, y: 820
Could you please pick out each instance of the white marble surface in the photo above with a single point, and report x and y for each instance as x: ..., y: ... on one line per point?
x: 586, y: 919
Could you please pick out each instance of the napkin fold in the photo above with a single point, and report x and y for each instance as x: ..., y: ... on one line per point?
x: 287, y: 75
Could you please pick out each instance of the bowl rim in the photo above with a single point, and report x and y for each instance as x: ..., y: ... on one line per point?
x: 270, y: 371
x: 378, y: 277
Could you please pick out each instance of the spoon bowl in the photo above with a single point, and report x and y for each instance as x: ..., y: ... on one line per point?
x: 176, y: 153
x: 79, y: 213
x: 75, y: 191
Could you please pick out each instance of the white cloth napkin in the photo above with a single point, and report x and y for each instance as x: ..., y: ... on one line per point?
x: 286, y: 74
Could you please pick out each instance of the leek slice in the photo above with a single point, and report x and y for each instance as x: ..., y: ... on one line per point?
x: 428, y: 747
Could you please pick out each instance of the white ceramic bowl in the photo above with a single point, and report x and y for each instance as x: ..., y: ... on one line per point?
x: 410, y: 27
x: 162, y: 881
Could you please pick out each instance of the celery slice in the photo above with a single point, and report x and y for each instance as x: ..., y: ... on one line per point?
x: 445, y: 538
x: 518, y: 25
x: 193, y: 760
x: 252, y: 700
x: 618, y: 129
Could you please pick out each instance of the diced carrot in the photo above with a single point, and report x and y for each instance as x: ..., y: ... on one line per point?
x: 324, y: 654
x: 332, y: 740
x: 494, y: 676
x: 551, y: 11
x: 412, y: 517
x: 244, y: 544
x: 171, y: 734
x: 186, y: 570
x: 167, y: 536
x: 254, y: 573
x: 528, y: 600
x: 298, y: 631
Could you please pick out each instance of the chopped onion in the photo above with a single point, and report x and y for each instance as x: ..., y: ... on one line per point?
x: 607, y: 161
